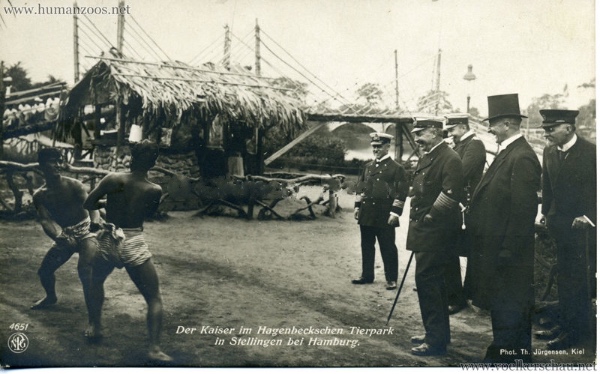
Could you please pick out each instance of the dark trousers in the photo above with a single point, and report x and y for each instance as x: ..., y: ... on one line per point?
x: 574, y: 294
x: 433, y: 300
x: 511, y: 328
x: 453, y: 280
x: 386, y: 237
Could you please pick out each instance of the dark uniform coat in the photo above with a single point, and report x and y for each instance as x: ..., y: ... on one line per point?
x: 569, y: 191
x: 501, y: 219
x: 438, y: 171
x: 472, y: 153
x: 436, y: 190
x: 379, y: 185
x: 569, y: 187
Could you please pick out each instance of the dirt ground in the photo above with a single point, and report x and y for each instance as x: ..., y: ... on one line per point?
x: 228, y: 273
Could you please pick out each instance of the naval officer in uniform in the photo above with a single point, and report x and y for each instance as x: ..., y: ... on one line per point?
x: 472, y: 154
x: 437, y: 189
x: 569, y: 211
x: 380, y: 195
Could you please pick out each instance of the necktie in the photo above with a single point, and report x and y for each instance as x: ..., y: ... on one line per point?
x: 562, y: 155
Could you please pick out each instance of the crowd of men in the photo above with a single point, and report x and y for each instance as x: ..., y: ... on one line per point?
x: 458, y: 210
x: 455, y: 210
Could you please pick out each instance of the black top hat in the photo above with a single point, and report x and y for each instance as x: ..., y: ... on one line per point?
x: 422, y: 124
x: 553, y: 117
x: 503, y: 106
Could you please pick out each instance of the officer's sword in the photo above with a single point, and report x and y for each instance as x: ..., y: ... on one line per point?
x: 400, y: 288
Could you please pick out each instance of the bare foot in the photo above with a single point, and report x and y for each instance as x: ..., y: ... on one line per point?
x: 44, y: 303
x: 93, y: 334
x: 157, y: 355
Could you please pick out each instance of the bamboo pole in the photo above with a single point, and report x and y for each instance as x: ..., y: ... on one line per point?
x: 202, y: 81
x: 75, y: 46
x: 190, y: 68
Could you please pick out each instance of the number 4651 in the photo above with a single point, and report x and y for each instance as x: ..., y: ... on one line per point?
x: 19, y: 326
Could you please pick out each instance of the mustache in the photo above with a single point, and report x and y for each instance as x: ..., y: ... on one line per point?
x: 420, y: 142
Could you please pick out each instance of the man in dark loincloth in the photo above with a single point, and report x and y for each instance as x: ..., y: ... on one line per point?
x: 59, y: 204
x: 130, y: 199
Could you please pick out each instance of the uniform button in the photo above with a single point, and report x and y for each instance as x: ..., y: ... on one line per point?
x: 377, y: 178
x: 416, y: 209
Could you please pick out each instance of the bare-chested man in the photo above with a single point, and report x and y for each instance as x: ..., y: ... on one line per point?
x: 130, y: 199
x: 59, y: 204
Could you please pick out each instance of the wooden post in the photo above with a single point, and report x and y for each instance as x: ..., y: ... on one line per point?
x: 121, y: 28
x: 120, y: 121
x: 75, y: 47
x: 97, y: 123
x: 437, y: 84
x: 227, y: 48
x: 257, y: 49
x: 2, y: 99
x: 291, y: 144
x: 397, y: 89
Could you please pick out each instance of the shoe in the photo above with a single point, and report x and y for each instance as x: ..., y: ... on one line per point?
x: 563, y: 341
x: 362, y: 280
x: 453, y: 309
x: 391, y: 286
x: 420, y: 339
x: 547, y: 334
x: 428, y: 350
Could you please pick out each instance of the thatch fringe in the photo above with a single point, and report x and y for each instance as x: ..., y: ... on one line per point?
x: 174, y: 88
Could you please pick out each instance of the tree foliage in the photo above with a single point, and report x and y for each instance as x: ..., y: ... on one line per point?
x: 293, y: 88
x: 435, y: 102
x: 371, y: 93
x: 21, y: 80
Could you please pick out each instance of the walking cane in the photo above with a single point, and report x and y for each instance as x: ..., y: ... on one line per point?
x: 400, y: 288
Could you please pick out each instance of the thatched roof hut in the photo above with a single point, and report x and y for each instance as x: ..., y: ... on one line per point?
x: 179, y: 105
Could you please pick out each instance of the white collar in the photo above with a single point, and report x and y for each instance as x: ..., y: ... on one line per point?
x: 508, y: 141
x: 466, y: 135
x: 434, y: 147
x: 565, y: 147
x: 383, y: 158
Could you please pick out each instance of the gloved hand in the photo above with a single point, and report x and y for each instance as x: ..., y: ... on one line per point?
x: 356, y: 210
x: 428, y: 218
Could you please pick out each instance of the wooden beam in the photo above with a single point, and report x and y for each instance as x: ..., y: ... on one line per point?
x: 290, y: 145
x: 357, y: 118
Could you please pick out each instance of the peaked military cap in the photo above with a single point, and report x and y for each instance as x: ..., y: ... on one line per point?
x: 456, y: 119
x: 553, y: 117
x: 380, y: 138
x: 427, y: 123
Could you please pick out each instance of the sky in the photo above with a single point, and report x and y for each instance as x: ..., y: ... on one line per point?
x: 532, y: 47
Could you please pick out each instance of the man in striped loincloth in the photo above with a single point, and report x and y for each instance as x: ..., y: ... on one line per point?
x: 130, y: 199
x: 59, y: 204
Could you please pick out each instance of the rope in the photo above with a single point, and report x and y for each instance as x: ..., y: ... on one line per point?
x: 192, y: 61
x: 149, y: 37
x: 150, y: 49
x: 101, y: 34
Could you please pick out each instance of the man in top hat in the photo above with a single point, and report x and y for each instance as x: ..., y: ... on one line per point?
x: 381, y: 192
x: 433, y: 229
x: 472, y: 154
x: 569, y: 211
x: 500, y: 230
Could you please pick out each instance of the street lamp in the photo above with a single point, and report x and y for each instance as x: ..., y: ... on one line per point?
x: 469, y: 77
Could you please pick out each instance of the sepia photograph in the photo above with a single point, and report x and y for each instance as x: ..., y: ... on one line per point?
x: 298, y: 184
